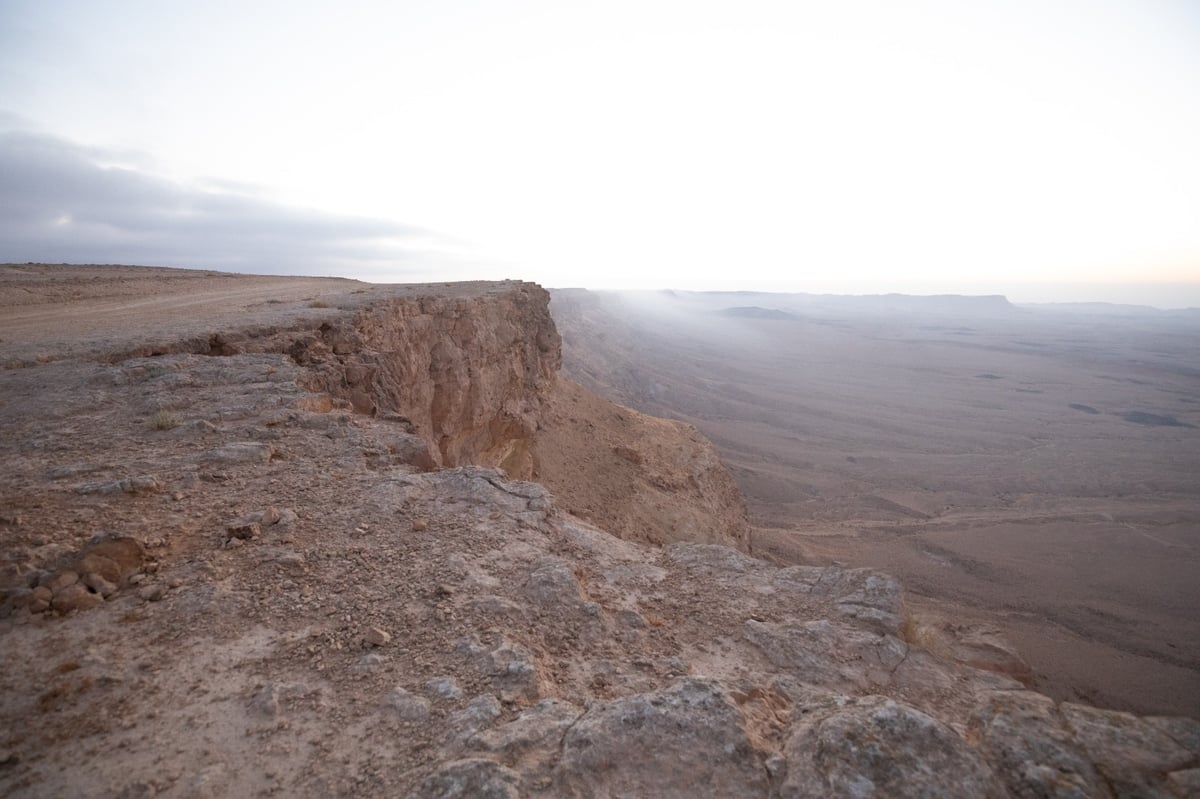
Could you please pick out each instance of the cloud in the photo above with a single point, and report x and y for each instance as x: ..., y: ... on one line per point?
x: 63, y: 202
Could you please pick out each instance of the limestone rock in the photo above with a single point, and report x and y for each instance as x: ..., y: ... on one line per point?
x: 542, y: 726
x: 474, y: 778
x: 444, y: 687
x: 875, y: 747
x: 1131, y: 753
x: 1019, y: 732
x: 553, y: 584
x: 669, y: 743
x: 480, y: 712
x: 407, y: 706
x: 835, y: 656
x: 511, y: 667
x: 1182, y: 730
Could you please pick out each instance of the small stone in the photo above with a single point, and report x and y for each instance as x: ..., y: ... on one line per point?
x: 368, y: 663
x: 444, y: 687
x: 42, y: 592
x: 478, y: 714
x: 38, y: 606
x: 243, y: 530
x: 98, y: 584
x: 152, y: 593
x: 234, y: 543
x: 270, y: 516
x: 377, y: 637
x: 61, y: 580
x: 407, y: 706
x: 420, y: 525
x: 128, y: 485
x: 288, y: 559
x: 237, y: 452
x: 75, y: 597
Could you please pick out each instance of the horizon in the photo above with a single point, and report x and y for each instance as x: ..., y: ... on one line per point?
x: 849, y: 149
x: 1126, y: 297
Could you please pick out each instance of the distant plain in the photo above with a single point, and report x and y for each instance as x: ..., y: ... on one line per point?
x: 1034, y: 468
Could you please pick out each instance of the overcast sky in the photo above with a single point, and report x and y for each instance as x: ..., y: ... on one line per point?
x: 1045, y: 150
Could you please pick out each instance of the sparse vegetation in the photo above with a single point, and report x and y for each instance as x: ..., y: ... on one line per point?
x: 164, y: 420
x: 319, y: 304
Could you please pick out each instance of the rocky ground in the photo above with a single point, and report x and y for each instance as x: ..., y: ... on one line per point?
x: 221, y: 579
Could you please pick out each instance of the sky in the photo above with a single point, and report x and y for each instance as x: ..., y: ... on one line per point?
x: 1043, y: 150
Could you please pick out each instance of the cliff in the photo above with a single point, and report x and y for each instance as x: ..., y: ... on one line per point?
x: 240, y: 575
x: 469, y: 374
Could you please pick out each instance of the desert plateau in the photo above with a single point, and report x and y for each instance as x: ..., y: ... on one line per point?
x: 313, y: 537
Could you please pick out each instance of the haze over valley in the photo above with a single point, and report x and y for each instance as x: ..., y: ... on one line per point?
x: 1033, y: 467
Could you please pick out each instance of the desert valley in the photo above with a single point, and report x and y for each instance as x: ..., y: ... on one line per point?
x: 1032, y: 467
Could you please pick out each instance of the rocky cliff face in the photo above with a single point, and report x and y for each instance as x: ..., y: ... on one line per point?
x: 218, y: 582
x: 470, y: 374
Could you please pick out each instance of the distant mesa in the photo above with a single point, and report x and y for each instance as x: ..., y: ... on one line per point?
x: 989, y: 376
x: 1084, y: 408
x: 1152, y: 419
x: 756, y: 312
